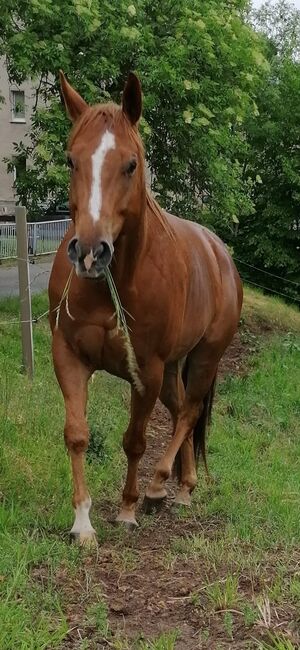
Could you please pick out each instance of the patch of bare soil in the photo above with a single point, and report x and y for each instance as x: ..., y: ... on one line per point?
x: 149, y: 589
x: 236, y: 358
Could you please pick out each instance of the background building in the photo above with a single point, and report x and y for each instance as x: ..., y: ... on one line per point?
x: 15, y: 115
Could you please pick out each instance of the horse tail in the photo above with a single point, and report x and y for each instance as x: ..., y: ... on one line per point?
x: 204, y: 420
x: 199, y: 432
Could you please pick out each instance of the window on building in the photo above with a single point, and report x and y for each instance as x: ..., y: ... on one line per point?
x: 19, y: 167
x: 18, y: 105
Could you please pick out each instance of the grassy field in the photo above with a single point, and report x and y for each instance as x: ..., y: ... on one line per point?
x: 240, y: 542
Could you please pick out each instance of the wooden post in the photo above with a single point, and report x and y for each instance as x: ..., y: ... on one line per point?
x: 24, y: 291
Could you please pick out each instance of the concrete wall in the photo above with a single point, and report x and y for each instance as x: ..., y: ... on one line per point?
x: 11, y: 131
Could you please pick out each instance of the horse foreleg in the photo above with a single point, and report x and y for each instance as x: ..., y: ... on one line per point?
x: 73, y: 377
x: 134, y: 442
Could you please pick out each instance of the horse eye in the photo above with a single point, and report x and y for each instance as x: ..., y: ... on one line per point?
x: 70, y: 162
x: 130, y: 167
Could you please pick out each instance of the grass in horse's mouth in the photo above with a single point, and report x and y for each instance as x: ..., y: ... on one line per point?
x: 123, y: 327
x: 65, y: 296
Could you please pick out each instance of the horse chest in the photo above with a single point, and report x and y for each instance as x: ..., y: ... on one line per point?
x: 101, y: 348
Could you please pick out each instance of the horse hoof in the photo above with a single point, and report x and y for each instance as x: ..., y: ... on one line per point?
x: 128, y: 521
x: 183, y: 498
x: 153, y: 505
x: 84, y: 539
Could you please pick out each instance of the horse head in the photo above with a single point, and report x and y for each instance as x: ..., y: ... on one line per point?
x: 107, y: 186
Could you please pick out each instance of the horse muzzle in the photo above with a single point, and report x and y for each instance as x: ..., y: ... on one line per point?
x: 90, y: 262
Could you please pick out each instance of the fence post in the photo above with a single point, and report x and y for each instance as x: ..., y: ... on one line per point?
x: 24, y: 291
x: 34, y: 239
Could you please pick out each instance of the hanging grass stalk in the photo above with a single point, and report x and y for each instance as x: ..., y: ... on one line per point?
x: 65, y: 296
x: 123, y: 327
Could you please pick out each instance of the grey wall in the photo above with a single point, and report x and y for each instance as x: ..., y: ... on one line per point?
x: 11, y: 132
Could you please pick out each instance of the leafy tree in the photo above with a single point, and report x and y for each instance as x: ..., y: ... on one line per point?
x: 199, y: 64
x: 280, y: 22
x: 270, y: 238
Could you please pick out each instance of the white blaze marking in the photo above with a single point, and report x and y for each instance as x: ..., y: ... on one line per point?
x: 88, y: 260
x: 107, y: 142
x: 82, y: 522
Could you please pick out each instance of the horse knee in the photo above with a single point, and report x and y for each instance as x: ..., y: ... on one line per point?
x: 76, y: 438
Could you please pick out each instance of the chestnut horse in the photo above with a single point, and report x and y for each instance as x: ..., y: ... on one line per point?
x: 174, y: 277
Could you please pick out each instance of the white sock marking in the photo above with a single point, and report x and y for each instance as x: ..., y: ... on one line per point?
x: 107, y: 142
x: 82, y: 522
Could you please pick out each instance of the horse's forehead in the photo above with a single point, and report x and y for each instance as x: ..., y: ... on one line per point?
x: 86, y: 141
x: 90, y: 136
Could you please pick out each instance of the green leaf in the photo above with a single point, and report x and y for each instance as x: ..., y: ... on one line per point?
x: 131, y: 10
x: 145, y: 127
x: 188, y: 116
x: 260, y: 60
x: 132, y: 33
x: 43, y: 152
x: 200, y: 24
x: 204, y: 109
x: 202, y: 121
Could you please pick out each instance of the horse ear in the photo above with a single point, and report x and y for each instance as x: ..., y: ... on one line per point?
x: 132, y: 99
x: 74, y: 104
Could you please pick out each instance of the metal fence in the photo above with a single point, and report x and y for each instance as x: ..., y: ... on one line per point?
x: 43, y: 237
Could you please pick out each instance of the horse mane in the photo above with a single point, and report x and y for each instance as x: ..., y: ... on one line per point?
x: 159, y: 214
x: 112, y: 115
x: 93, y: 116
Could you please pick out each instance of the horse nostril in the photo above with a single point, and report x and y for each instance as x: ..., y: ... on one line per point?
x: 99, y: 257
x: 74, y: 249
x: 104, y: 253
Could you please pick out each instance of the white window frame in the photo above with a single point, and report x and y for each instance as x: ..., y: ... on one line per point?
x: 14, y: 118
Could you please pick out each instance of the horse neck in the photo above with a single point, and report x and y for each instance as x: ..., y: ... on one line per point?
x: 131, y: 245
x: 134, y: 246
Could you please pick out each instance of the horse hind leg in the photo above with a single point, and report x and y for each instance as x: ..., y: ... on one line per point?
x: 172, y: 391
x: 186, y: 460
x: 172, y: 396
x: 191, y: 420
x: 185, y: 465
x: 185, y: 469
